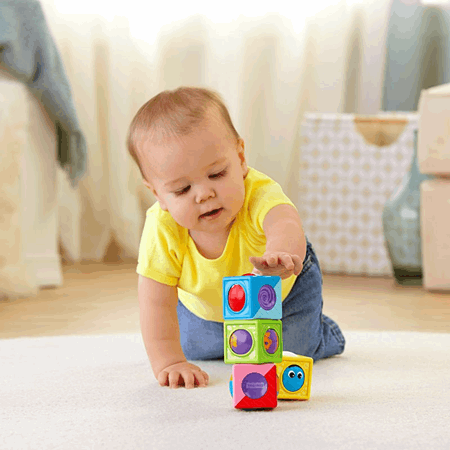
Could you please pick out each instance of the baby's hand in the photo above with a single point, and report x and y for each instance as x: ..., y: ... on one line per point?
x: 277, y: 263
x: 183, y: 374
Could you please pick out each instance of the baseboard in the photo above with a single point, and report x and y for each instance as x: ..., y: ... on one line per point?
x: 17, y: 281
x: 47, y: 269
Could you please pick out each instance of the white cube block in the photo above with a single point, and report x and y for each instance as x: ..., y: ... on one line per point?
x: 349, y: 166
x: 434, y: 131
x: 435, y: 231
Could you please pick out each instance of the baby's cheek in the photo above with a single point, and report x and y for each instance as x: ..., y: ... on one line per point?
x: 181, y: 216
x: 238, y: 197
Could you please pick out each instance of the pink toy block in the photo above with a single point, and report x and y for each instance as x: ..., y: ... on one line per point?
x: 254, y: 386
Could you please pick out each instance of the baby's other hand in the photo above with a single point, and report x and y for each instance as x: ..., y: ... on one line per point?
x: 277, y: 264
x: 183, y: 374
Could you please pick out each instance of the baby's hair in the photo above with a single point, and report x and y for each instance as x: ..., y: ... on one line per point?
x: 174, y: 114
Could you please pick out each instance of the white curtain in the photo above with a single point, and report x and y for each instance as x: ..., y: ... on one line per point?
x: 270, y: 67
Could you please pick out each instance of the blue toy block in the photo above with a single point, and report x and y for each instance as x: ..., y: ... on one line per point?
x: 252, y: 297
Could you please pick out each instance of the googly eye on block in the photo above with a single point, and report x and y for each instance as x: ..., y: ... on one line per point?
x: 295, y: 375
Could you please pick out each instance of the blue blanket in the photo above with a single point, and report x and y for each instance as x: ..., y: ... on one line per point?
x: 28, y: 52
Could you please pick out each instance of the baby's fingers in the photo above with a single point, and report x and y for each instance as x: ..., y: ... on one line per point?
x: 258, y: 262
x: 163, y: 378
x: 174, y: 378
x: 298, y: 264
x: 201, y: 378
x: 193, y: 378
x: 272, y: 260
x: 287, y: 261
x: 188, y: 378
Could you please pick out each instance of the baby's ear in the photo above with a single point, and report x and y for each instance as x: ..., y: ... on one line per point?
x: 241, y: 153
x: 153, y: 190
x: 148, y: 185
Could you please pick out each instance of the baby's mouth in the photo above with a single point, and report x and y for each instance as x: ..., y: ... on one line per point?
x: 212, y: 213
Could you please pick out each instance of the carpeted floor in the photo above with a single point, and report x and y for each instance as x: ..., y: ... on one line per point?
x: 387, y: 391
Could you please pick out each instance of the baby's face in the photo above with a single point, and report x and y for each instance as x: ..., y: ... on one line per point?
x: 199, y: 180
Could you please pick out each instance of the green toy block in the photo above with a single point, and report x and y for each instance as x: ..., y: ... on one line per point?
x: 255, y: 341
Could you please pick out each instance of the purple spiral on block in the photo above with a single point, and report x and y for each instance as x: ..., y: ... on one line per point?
x: 267, y: 297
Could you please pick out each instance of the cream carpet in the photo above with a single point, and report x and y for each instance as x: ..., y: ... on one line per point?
x: 388, y: 391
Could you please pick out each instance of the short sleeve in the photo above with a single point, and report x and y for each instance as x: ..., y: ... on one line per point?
x: 160, y: 251
x: 265, y: 196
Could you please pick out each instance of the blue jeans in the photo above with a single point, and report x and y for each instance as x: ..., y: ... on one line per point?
x: 306, y: 331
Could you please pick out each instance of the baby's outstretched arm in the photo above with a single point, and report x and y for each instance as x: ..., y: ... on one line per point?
x: 286, y: 244
x: 161, y: 335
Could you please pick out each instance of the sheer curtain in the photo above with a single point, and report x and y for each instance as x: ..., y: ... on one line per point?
x: 270, y: 67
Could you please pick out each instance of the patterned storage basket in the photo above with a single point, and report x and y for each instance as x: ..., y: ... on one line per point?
x: 349, y: 166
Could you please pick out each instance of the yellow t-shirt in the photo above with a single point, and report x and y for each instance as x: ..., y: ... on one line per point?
x: 168, y: 254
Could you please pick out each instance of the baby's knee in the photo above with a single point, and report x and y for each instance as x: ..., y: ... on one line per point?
x: 322, y: 340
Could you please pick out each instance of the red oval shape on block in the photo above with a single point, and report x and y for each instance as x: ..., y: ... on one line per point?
x: 236, y: 298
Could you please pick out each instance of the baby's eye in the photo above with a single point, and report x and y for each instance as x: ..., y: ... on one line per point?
x: 182, y: 191
x: 219, y: 174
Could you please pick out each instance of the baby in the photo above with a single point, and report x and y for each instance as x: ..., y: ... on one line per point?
x: 214, y: 217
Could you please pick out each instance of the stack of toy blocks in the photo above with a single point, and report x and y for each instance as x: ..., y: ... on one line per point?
x: 253, y: 338
x: 262, y: 372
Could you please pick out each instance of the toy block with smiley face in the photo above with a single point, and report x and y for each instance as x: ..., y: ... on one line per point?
x: 294, y: 374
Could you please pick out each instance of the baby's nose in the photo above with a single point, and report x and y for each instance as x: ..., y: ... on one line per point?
x: 204, y: 193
